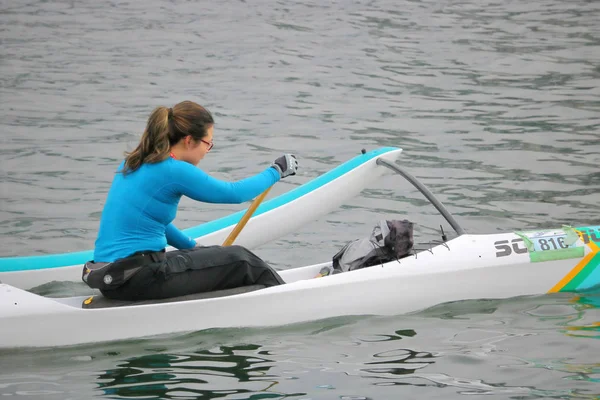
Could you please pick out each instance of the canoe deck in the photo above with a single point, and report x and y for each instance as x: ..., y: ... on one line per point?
x: 99, y: 301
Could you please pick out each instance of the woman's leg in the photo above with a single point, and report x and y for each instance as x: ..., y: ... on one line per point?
x: 205, y: 269
x: 197, y: 270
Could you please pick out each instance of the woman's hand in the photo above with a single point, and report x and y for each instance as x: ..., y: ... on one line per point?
x: 286, y: 165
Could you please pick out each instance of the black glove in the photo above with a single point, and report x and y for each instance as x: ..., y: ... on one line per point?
x: 286, y: 165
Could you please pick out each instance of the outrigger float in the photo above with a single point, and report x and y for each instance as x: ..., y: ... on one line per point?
x: 468, y: 266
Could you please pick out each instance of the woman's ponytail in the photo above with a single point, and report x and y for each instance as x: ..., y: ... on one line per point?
x: 155, y: 143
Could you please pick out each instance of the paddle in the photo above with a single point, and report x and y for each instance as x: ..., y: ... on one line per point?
x: 240, y: 225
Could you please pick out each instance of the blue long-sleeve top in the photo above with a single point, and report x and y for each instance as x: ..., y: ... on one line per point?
x: 142, y: 204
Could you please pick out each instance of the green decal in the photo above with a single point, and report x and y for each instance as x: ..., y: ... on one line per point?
x: 553, y: 255
x: 553, y: 245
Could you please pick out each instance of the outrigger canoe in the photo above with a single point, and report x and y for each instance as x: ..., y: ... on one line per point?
x: 282, y: 214
x: 566, y: 259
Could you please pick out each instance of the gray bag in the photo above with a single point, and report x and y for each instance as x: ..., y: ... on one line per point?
x: 390, y: 240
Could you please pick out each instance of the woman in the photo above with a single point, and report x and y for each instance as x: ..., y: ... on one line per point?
x: 130, y: 262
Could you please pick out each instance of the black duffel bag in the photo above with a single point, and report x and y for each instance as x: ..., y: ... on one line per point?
x: 390, y: 240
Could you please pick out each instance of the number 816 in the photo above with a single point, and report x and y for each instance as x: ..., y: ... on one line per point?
x: 552, y: 244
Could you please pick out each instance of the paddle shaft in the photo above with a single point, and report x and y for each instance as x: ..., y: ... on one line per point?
x: 240, y: 225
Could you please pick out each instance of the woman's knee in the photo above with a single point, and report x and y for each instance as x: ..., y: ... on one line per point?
x: 242, y: 252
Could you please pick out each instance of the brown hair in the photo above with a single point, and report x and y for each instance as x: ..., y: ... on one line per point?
x: 166, y: 127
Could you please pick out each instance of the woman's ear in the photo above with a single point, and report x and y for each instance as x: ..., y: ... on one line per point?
x: 188, y: 141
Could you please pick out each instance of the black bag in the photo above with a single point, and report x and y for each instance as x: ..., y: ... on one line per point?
x: 106, y: 276
x: 390, y: 240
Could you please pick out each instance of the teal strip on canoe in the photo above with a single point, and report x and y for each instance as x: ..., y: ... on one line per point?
x: 27, y: 263
x: 590, y: 276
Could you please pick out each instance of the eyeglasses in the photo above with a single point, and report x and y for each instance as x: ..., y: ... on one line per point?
x: 209, y: 144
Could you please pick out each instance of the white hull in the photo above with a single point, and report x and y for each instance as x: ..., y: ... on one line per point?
x: 281, y: 215
x: 467, y: 267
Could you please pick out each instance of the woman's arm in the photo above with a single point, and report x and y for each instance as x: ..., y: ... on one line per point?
x: 198, y: 185
x: 178, y: 239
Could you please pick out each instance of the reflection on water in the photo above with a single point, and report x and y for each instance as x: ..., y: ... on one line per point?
x: 587, y: 325
x: 238, y: 370
x: 201, y: 374
x: 398, y: 362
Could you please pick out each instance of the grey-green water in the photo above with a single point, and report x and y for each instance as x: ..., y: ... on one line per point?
x: 496, y: 105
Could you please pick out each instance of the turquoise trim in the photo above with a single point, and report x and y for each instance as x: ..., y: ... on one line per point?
x: 592, y: 280
x: 28, y: 263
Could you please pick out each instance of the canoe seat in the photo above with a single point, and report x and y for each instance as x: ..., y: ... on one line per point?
x: 99, y: 301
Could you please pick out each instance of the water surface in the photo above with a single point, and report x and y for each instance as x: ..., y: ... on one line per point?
x: 497, y: 108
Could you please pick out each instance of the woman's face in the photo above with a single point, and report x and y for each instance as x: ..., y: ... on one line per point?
x: 197, y: 149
